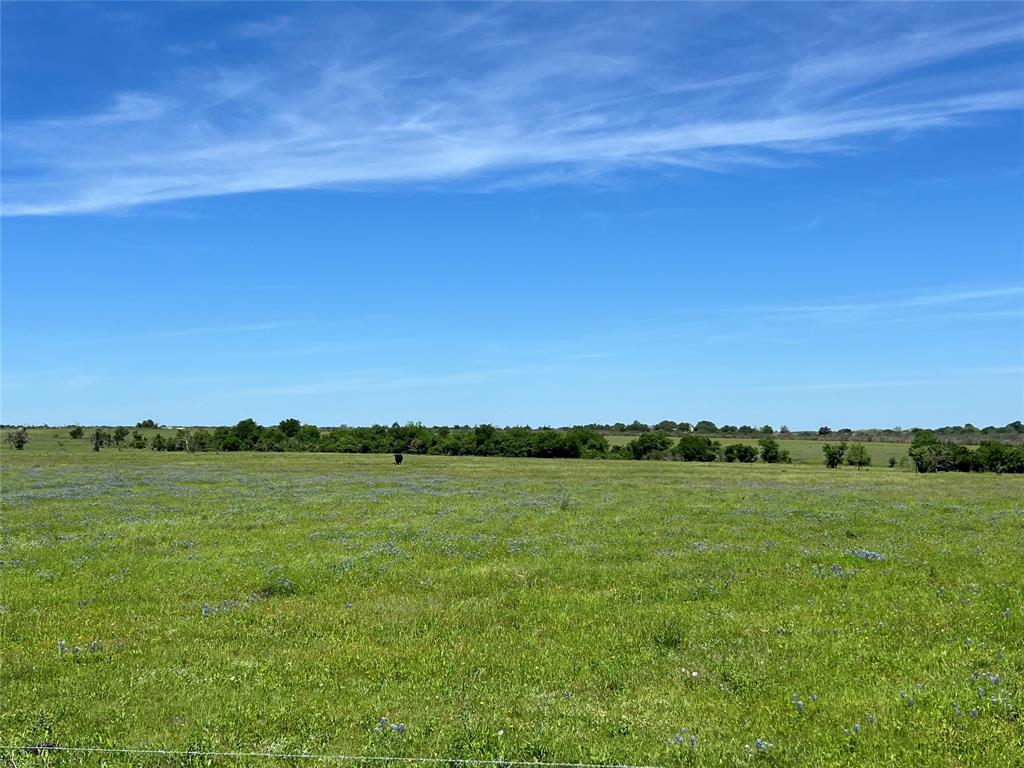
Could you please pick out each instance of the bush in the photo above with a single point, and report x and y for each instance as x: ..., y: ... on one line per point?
x: 649, y: 445
x: 929, y: 454
x: 745, y: 454
x: 76, y: 432
x: 772, y: 452
x: 696, y: 448
x: 858, y: 456
x: 833, y: 454
x: 18, y: 438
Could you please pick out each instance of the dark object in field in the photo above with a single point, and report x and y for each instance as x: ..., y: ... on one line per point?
x: 38, y: 749
x: 398, y: 459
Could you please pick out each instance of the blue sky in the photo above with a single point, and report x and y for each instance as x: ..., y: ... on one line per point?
x: 520, y: 213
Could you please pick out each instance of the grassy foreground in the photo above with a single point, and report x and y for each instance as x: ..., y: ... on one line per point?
x: 498, y: 608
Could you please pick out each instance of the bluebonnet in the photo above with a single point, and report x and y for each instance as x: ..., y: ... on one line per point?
x: 867, y: 554
x: 680, y: 738
x: 762, y: 745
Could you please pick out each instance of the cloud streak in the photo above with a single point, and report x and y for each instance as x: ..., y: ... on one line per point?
x: 497, y: 99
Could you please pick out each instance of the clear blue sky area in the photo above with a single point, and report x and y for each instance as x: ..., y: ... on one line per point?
x: 519, y: 214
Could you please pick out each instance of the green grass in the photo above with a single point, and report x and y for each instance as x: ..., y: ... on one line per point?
x: 502, y: 608
x: 807, y: 451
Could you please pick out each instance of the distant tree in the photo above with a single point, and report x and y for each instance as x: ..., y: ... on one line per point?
x: 783, y: 430
x: 929, y: 454
x: 120, y: 433
x: 833, y: 454
x: 309, y: 438
x: 892, y: 461
x: 685, y: 426
x: 858, y: 456
x: 696, y: 448
x: 666, y: 426
x: 705, y: 426
x: 99, y: 439
x: 741, y: 452
x: 146, y: 424
x: 290, y: 427
x: 76, y: 432
x: 728, y: 429
x: 138, y: 440
x: 746, y: 429
x: 824, y: 430
x: 772, y: 452
x: 649, y: 445
x: 767, y: 430
x: 158, y: 443
x: 18, y: 438
x: 638, y: 426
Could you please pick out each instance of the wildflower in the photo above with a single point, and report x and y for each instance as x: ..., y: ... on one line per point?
x: 974, y: 712
x: 1006, y: 613
x: 62, y: 647
x: 871, y: 719
x: 856, y: 727
x: 762, y: 745
x: 814, y: 697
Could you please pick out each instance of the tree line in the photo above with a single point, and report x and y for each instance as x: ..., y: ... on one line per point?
x: 928, y: 452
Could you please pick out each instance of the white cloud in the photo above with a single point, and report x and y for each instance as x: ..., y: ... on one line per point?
x: 480, y: 97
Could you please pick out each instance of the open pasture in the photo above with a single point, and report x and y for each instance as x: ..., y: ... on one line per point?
x: 655, y: 613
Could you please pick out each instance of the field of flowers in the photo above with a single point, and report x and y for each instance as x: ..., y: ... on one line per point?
x: 651, y: 613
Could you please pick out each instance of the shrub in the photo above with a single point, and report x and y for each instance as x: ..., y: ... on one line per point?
x: 745, y: 454
x: 18, y: 438
x: 930, y: 454
x: 696, y: 448
x: 858, y: 456
x: 76, y: 432
x: 833, y: 454
x: 772, y: 452
x: 649, y: 445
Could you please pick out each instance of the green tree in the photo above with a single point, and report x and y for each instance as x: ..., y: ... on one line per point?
x: 76, y: 432
x: 772, y: 452
x: 696, y: 448
x: 858, y: 456
x: 138, y: 440
x: 146, y: 424
x: 741, y: 452
x: 290, y: 427
x: 99, y: 439
x: 824, y: 430
x: 649, y: 445
x: 833, y: 454
x: 18, y: 438
x: 120, y: 433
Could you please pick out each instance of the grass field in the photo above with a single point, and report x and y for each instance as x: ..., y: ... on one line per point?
x: 503, y: 608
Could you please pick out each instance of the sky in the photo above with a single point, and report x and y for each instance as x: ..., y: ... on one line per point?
x: 542, y: 214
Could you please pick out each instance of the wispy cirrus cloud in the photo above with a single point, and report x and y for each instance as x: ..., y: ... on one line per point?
x: 505, y: 97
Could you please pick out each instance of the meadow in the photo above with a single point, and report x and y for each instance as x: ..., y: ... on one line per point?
x: 650, y: 613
